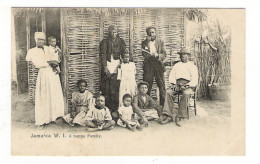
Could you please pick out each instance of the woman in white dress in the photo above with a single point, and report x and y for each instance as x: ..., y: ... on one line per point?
x: 49, y: 104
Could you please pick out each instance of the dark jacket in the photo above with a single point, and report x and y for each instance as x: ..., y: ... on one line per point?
x: 109, y: 47
x: 159, y: 45
x: 139, y: 106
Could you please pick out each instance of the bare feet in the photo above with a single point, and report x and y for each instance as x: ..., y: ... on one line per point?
x: 177, y: 120
x: 139, y: 127
x: 39, y: 127
x: 166, y: 120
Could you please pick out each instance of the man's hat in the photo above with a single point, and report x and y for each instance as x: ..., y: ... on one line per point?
x: 184, y: 51
x: 142, y: 83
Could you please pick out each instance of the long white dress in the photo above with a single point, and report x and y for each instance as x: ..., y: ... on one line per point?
x: 128, y: 83
x: 49, y: 104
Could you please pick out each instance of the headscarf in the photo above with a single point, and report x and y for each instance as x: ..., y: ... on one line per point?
x: 39, y: 35
x: 111, y: 28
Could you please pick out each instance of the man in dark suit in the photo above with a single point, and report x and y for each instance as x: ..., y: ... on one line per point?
x: 111, y: 51
x: 154, y: 53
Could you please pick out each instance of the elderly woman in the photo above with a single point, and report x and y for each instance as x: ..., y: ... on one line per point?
x: 49, y: 104
x: 111, y: 51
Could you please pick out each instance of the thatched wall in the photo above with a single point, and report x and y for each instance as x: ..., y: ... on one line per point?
x: 83, y: 29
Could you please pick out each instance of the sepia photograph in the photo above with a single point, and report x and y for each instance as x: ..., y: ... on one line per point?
x: 127, y: 81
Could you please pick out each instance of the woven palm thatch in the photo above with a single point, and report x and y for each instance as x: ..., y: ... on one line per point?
x: 83, y: 41
x: 83, y: 38
x: 170, y: 28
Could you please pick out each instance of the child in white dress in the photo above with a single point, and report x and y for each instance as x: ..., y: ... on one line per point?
x: 127, y: 76
x: 81, y: 101
x: 99, y: 117
x: 127, y: 117
x: 54, y: 54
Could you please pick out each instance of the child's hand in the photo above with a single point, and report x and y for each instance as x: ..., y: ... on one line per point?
x: 73, y: 114
x: 57, y: 49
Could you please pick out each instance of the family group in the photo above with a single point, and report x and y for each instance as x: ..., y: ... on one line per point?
x: 121, y: 101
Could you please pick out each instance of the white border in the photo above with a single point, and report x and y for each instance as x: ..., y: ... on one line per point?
x: 252, y: 78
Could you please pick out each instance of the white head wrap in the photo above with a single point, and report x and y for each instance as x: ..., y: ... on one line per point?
x: 39, y: 35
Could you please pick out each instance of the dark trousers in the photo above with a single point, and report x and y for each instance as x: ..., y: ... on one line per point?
x: 154, y: 69
x: 111, y: 92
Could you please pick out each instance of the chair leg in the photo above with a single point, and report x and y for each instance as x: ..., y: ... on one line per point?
x: 195, y: 107
x: 188, y: 109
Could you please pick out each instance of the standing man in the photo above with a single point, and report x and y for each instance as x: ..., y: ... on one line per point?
x: 184, y: 78
x: 111, y: 51
x: 154, y: 53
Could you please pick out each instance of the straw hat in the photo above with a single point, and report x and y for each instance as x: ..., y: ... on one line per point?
x: 184, y: 51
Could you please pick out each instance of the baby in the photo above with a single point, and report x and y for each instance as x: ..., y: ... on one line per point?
x: 54, y: 54
x: 126, y: 115
x: 99, y: 117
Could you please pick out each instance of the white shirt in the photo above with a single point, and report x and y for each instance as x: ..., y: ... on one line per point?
x: 186, y: 71
x: 152, y: 47
x: 112, y: 66
x: 144, y: 98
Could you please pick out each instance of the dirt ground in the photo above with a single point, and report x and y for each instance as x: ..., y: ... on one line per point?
x: 205, y: 133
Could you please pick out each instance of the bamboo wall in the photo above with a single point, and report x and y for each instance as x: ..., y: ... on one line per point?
x: 83, y: 30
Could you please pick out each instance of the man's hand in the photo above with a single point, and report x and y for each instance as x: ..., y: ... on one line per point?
x: 155, y: 54
x: 108, y: 74
x: 182, y: 88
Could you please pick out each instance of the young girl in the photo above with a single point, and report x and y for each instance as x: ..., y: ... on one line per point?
x: 126, y: 115
x: 127, y: 76
x: 54, y: 54
x: 81, y: 101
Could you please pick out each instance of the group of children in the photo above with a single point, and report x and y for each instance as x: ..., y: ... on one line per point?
x: 134, y: 111
x: 136, y: 108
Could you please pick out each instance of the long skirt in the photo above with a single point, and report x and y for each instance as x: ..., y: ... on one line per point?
x: 49, y: 104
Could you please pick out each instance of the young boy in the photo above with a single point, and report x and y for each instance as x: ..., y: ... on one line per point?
x: 54, y: 54
x: 144, y: 106
x: 99, y: 117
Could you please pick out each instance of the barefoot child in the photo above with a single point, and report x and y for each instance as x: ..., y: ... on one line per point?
x: 126, y: 115
x: 81, y: 100
x: 144, y: 106
x: 54, y: 54
x: 127, y: 76
x: 99, y: 117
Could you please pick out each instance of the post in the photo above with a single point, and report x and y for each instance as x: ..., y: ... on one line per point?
x: 28, y: 44
x: 101, y: 37
x: 44, y: 22
x: 131, y: 35
x: 64, y: 61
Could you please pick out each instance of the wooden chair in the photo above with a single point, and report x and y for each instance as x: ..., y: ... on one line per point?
x: 193, y: 99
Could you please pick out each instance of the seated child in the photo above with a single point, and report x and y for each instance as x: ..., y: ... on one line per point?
x: 54, y: 54
x: 99, y: 117
x: 81, y: 100
x: 144, y: 106
x: 126, y: 115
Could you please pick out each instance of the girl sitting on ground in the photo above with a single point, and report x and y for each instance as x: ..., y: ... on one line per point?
x: 126, y: 115
x: 81, y: 101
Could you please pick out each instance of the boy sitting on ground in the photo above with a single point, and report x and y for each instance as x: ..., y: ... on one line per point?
x: 144, y: 106
x: 98, y: 116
